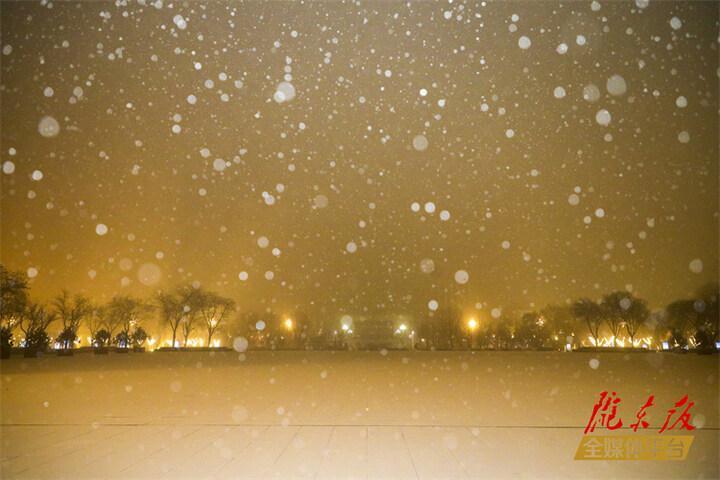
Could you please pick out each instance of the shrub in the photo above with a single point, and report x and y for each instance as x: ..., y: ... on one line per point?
x: 67, y: 337
x: 122, y: 340
x: 37, y: 339
x: 102, y: 337
x: 139, y: 336
x: 6, y: 337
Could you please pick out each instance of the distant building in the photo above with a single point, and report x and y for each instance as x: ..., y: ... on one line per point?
x: 375, y: 334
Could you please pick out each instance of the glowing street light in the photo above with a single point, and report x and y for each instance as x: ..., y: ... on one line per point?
x: 289, y: 326
x: 401, y: 330
x: 472, y: 326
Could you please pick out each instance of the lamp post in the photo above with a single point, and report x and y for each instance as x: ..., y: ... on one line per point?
x: 288, y: 323
x: 345, y: 328
x: 472, y: 326
x: 402, y: 329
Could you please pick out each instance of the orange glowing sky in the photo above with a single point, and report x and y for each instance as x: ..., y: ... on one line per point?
x: 552, y: 193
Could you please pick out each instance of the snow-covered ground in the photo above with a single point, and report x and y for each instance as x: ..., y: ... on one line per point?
x: 342, y: 414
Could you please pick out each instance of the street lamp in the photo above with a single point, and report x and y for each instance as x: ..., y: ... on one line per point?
x: 401, y: 331
x: 288, y: 323
x: 472, y: 326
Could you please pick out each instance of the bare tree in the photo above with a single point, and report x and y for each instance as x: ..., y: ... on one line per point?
x: 171, y: 312
x: 189, y: 302
x: 622, y: 309
x: 591, y: 313
x: 635, y: 316
x: 95, y: 322
x: 125, y: 313
x: 34, y: 325
x: 13, y: 298
x: 111, y: 322
x: 36, y: 317
x: 212, y: 310
x: 696, y: 318
x: 71, y: 311
x: 611, y: 311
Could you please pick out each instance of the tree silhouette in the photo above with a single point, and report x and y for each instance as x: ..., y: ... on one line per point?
x: 101, y: 338
x: 622, y: 309
x: 71, y: 311
x: 635, y: 316
x: 212, y: 310
x: 34, y: 325
x: 13, y: 297
x: 612, y: 311
x: 171, y: 312
x: 708, y: 319
x: 680, y: 320
x: 591, y: 313
x: 94, y: 322
x: 190, y: 299
x: 502, y: 332
x: 531, y: 331
x: 696, y: 318
x: 138, y: 337
x: 559, y: 322
x: 125, y: 313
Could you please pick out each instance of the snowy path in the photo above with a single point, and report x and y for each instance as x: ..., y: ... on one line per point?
x: 342, y: 415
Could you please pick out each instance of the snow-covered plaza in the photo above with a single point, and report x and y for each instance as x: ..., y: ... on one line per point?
x: 341, y: 414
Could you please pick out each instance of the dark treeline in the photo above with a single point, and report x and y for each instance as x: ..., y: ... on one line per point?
x: 186, y: 311
x: 617, y: 319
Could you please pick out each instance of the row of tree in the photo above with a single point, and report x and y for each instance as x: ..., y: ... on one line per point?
x: 684, y: 323
x: 118, y: 322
